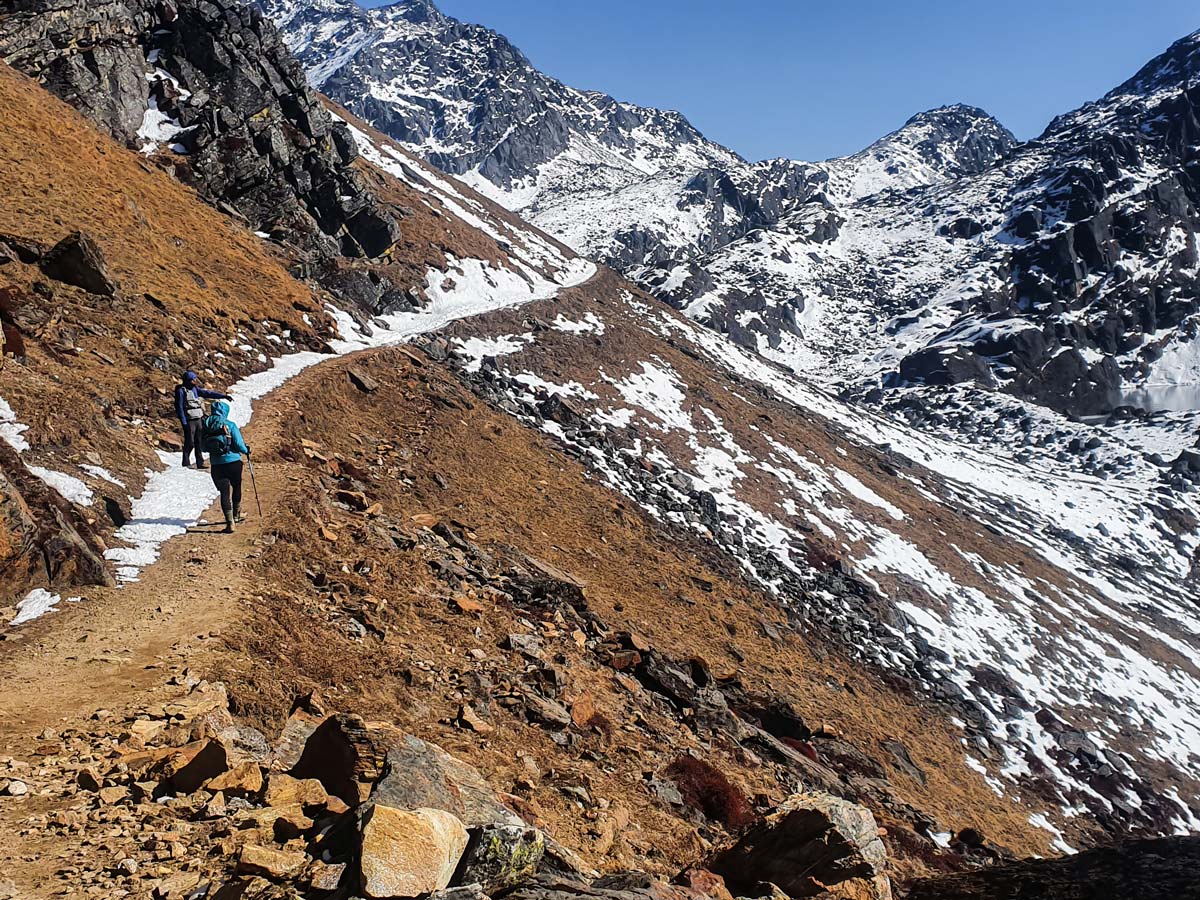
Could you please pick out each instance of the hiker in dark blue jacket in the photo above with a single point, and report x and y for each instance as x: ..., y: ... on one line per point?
x: 223, y: 440
x: 190, y: 410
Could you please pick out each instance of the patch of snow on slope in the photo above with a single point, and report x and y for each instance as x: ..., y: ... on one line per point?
x: 591, y: 323
x: 476, y: 350
x: 70, y: 487
x: 103, y: 474
x: 657, y: 390
x: 12, y: 431
x: 864, y: 493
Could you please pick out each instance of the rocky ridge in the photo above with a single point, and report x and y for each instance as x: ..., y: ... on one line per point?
x: 632, y: 187
x: 211, y: 94
x: 212, y: 81
x: 1062, y: 274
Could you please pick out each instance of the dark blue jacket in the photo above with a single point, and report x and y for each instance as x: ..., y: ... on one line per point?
x: 181, y: 392
x: 237, y: 446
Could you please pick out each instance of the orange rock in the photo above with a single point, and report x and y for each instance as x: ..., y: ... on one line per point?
x: 187, y: 768
x: 470, y: 719
x: 468, y: 606
x: 407, y: 853
x: 583, y: 710
x: 269, y: 863
x: 243, y: 780
x: 284, y: 790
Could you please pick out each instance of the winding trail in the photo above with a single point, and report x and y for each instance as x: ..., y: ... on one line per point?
x: 111, y: 649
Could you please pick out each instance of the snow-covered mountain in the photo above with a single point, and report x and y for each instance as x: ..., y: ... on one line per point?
x: 471, y: 103
x: 1062, y: 273
x: 1062, y: 270
x: 931, y: 147
x: 634, y: 187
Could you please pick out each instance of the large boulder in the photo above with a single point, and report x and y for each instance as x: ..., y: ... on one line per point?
x: 77, y: 260
x: 813, y: 843
x: 347, y: 756
x: 420, y: 774
x: 941, y: 365
x: 407, y: 853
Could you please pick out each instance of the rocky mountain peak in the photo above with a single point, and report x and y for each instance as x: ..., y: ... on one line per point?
x: 1135, y: 104
x: 1178, y: 66
x: 938, y: 144
x: 412, y: 10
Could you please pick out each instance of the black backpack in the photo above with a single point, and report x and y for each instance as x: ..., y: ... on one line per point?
x: 214, y: 436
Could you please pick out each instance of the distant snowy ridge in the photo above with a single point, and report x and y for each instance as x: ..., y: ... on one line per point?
x: 633, y: 187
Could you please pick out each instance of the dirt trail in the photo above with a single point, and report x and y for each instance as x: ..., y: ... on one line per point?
x: 108, y: 650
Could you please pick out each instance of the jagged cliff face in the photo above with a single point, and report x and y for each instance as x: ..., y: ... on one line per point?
x: 210, y: 81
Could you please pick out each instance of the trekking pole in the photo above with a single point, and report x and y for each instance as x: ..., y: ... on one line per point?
x: 254, y: 484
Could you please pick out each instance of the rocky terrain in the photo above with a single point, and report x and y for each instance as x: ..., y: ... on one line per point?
x: 554, y: 592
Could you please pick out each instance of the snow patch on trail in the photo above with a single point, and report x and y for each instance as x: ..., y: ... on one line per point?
x: 589, y: 323
x: 36, y: 604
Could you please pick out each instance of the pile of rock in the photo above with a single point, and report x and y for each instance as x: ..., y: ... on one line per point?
x: 178, y: 801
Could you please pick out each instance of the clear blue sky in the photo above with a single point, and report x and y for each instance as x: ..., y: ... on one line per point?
x: 809, y: 79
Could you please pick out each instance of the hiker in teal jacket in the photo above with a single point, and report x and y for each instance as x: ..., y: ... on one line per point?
x: 223, y: 441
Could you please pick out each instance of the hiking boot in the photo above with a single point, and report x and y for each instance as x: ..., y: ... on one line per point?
x: 201, y: 466
x: 229, y: 526
x: 239, y: 516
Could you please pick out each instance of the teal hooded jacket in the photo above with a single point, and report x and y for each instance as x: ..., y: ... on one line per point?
x: 237, y: 445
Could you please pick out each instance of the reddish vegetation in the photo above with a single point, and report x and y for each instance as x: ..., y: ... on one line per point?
x: 803, y: 746
x: 707, y: 789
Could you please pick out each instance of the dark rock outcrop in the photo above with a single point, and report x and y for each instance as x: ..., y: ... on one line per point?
x: 212, y: 81
x: 812, y: 843
x: 1163, y: 869
x: 43, y: 539
x: 78, y: 260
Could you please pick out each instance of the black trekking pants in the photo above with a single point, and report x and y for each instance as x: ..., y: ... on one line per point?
x: 191, y: 441
x: 228, y: 479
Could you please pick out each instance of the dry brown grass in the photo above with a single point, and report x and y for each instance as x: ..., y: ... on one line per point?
x: 512, y: 487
